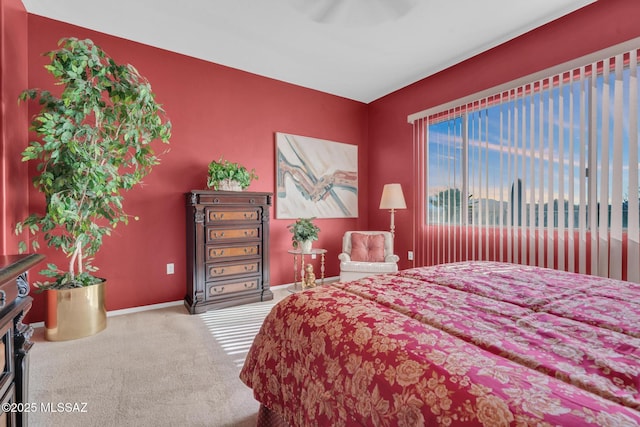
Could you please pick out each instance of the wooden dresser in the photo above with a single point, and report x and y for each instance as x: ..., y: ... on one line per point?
x: 15, y: 336
x: 227, y: 249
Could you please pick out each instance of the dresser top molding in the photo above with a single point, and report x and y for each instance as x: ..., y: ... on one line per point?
x: 197, y: 197
x: 11, y: 266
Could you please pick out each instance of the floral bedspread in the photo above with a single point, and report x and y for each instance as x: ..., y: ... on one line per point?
x: 474, y: 343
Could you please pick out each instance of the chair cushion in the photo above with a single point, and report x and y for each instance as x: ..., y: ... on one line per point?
x: 369, y: 267
x: 367, y: 247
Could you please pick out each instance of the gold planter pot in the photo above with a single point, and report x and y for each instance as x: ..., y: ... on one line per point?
x: 75, y: 313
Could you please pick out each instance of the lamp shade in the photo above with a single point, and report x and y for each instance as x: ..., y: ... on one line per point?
x: 392, y: 197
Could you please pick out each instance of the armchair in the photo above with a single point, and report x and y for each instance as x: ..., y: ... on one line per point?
x: 365, y: 253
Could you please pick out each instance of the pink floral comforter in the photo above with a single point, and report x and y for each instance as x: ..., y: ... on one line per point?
x: 475, y: 343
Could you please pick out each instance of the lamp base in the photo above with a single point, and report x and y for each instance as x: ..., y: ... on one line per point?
x: 393, y: 225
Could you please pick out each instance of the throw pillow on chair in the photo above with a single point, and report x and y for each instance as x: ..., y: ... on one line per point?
x: 367, y: 247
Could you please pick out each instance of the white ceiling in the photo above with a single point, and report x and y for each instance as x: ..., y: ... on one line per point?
x: 357, y: 49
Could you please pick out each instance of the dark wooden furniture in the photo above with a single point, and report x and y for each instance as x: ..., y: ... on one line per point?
x: 15, y: 342
x: 227, y: 249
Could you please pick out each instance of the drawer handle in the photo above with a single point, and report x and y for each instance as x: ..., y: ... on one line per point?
x: 249, y: 285
x: 249, y: 215
x: 218, y: 253
x: 218, y: 215
x: 218, y: 234
x: 216, y: 271
x: 218, y: 290
x: 249, y: 251
x: 249, y: 267
x: 250, y: 233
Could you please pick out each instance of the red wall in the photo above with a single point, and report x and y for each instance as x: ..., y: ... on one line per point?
x: 215, y: 111
x: 14, y: 180
x: 220, y: 111
x: 594, y: 27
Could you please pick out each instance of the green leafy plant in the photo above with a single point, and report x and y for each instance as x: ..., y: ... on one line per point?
x: 302, y: 230
x: 222, y: 170
x: 94, y: 143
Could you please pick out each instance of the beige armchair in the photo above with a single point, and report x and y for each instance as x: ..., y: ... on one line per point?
x: 365, y: 253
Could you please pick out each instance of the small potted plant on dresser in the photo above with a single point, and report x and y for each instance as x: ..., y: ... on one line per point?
x: 304, y: 232
x: 94, y: 143
x: 229, y: 176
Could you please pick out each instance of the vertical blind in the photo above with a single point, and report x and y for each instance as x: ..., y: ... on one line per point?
x: 543, y: 173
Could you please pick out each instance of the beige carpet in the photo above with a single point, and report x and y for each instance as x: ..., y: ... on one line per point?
x: 159, y: 367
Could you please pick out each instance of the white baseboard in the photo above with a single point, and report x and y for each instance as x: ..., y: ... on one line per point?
x: 144, y: 308
x: 128, y: 310
x: 163, y: 305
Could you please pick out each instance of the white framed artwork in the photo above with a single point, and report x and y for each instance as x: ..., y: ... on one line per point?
x: 315, y: 178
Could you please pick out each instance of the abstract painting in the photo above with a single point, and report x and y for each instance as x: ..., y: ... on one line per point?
x: 315, y: 178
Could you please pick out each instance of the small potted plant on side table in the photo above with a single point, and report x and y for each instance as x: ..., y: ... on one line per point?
x: 304, y: 232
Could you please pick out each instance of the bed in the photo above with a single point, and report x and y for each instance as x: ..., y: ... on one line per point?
x: 472, y: 343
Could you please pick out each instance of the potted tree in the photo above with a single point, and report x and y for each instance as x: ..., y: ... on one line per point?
x: 304, y: 232
x: 94, y: 143
x: 225, y: 175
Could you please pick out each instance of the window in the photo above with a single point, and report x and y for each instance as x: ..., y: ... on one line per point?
x: 544, y: 173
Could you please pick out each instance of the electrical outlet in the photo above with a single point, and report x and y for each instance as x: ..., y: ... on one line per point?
x: 410, y: 255
x: 170, y: 268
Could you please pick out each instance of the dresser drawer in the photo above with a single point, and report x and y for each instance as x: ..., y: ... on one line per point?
x: 216, y: 290
x: 6, y: 357
x: 8, y: 293
x: 217, y: 253
x: 8, y: 419
x: 215, y: 271
x: 217, y: 215
x: 215, y: 234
